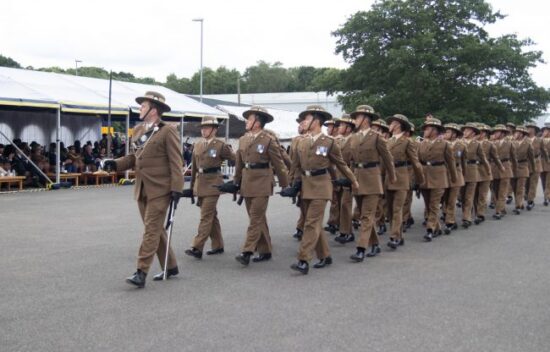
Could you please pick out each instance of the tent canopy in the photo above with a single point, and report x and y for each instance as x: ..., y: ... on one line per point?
x: 284, y: 121
x: 19, y: 87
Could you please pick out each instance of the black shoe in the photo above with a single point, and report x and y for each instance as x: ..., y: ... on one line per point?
x: 382, y: 230
x: 402, y: 242
x: 244, y: 258
x: 517, y: 211
x: 215, y: 251
x: 264, y: 257
x: 428, y: 236
x: 193, y: 252
x: 530, y: 205
x: 298, y: 234
x: 497, y: 216
x: 393, y: 243
x: 466, y: 224
x: 138, y: 279
x: 359, y: 256
x: 459, y: 204
x: 509, y: 200
x: 448, y: 229
x: 374, y: 251
x: 355, y: 224
x: 345, y: 238
x: 437, y: 233
x: 301, y: 267
x: 331, y: 228
x: 322, y: 263
x: 479, y: 220
x: 492, y: 206
x: 169, y: 273
x: 409, y: 223
x: 545, y: 203
x: 425, y: 222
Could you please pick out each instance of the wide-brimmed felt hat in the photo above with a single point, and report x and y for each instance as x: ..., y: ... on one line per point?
x: 545, y: 128
x: 471, y: 125
x: 453, y: 126
x: 433, y: 122
x: 315, y: 109
x: 366, y: 110
x: 331, y: 122
x: 412, y: 127
x: 484, y: 127
x: 382, y: 124
x: 533, y: 125
x: 510, y: 124
x: 522, y: 129
x: 501, y: 128
x: 209, y: 121
x: 156, y: 98
x: 258, y: 111
x: 400, y: 118
x: 346, y: 118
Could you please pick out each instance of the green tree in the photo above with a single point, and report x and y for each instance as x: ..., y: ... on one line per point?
x: 180, y: 85
x: 266, y: 78
x: 8, y: 62
x: 420, y: 56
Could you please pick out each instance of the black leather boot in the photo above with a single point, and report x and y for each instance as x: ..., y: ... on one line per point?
x: 138, y: 279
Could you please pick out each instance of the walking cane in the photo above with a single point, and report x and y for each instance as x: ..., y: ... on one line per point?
x: 169, y: 226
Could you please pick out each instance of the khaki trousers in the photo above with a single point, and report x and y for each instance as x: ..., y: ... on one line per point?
x: 395, y: 201
x: 334, y: 213
x: 346, y: 204
x: 301, y: 219
x: 314, y: 236
x: 451, y: 195
x: 500, y: 190
x: 545, y: 180
x: 153, y: 214
x: 482, y: 193
x: 468, y: 200
x: 533, y: 184
x: 257, y: 234
x: 432, y: 199
x: 209, y: 225
x: 519, y: 191
x: 368, y: 206
x: 408, y: 205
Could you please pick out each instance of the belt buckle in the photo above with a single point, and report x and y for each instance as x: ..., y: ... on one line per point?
x: 429, y: 163
x: 201, y: 170
x: 477, y: 162
x: 308, y: 173
x: 361, y: 165
x: 247, y: 165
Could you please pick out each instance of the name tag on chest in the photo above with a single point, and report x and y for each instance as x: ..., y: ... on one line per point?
x: 321, y: 150
x: 260, y: 148
x: 212, y: 153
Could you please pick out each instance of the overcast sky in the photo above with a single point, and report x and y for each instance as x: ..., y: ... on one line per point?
x: 156, y: 38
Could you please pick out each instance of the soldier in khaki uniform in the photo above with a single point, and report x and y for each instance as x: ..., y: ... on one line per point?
x: 452, y: 134
x: 545, y: 175
x: 404, y: 153
x: 345, y: 198
x: 485, y: 177
x: 368, y: 150
x: 408, y: 220
x: 333, y: 130
x: 501, y: 178
x: 293, y: 154
x: 474, y: 158
x: 316, y: 154
x: 534, y: 174
x: 525, y: 161
x: 158, y: 163
x: 258, y: 157
x: 437, y: 159
x: 511, y: 137
x: 382, y: 212
x: 208, y: 155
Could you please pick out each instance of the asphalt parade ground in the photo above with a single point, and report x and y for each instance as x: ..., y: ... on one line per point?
x: 64, y: 256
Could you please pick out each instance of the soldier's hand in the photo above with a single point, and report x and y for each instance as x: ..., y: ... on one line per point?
x: 187, y: 193
x: 110, y: 165
x: 229, y: 187
x: 175, y: 197
x: 355, y: 185
x: 394, y: 179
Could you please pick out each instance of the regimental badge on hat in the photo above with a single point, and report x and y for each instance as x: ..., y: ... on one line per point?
x: 316, y: 110
x: 259, y: 111
x: 155, y: 98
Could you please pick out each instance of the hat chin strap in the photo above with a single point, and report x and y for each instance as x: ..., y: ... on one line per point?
x: 147, y: 113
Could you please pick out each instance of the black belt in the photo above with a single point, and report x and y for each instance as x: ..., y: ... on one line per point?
x: 317, y: 172
x: 366, y: 165
x: 504, y: 160
x: 432, y: 163
x: 522, y: 161
x: 401, y: 163
x: 256, y: 165
x: 210, y: 170
x: 471, y: 162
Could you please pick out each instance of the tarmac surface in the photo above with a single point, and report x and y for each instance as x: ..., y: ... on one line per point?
x: 64, y: 256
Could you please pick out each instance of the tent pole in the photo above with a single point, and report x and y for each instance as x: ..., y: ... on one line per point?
x: 57, y: 146
x: 181, y: 132
x: 109, y: 137
x: 127, y: 146
x: 227, y: 130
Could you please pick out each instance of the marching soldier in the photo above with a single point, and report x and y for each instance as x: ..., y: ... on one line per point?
x: 525, y: 160
x: 511, y: 137
x: 333, y: 131
x: 316, y: 154
x: 545, y: 175
x: 257, y: 158
x: 345, y: 198
x: 540, y: 155
x: 452, y: 134
x: 368, y: 150
x: 208, y: 155
x: 404, y: 153
x: 437, y: 159
x: 501, y: 178
x: 408, y: 220
x: 293, y: 154
x: 157, y: 160
x: 474, y: 157
x: 381, y: 127
x: 485, y: 177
